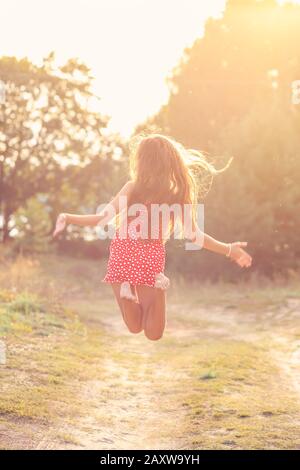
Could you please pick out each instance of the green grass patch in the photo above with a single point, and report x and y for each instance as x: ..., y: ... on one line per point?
x: 48, y: 355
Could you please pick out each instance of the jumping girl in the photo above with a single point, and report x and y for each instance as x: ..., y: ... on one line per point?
x: 163, y: 173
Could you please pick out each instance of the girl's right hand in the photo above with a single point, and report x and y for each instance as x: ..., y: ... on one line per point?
x: 239, y: 255
x: 61, y: 224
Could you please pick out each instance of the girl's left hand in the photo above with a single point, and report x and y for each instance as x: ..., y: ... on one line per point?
x: 239, y: 255
x: 61, y: 224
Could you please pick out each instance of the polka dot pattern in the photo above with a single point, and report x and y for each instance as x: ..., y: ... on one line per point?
x: 135, y: 260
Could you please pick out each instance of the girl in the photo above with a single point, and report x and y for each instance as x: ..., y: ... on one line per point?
x: 163, y: 172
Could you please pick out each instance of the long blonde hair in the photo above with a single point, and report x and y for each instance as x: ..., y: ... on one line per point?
x: 164, y: 171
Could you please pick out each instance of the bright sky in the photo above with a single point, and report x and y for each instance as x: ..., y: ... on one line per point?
x: 130, y: 45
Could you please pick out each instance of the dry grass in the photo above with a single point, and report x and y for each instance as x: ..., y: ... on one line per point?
x: 223, y: 377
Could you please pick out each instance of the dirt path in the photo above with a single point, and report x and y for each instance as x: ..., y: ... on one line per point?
x: 143, y: 392
x: 138, y: 409
x: 132, y: 404
x: 224, y: 376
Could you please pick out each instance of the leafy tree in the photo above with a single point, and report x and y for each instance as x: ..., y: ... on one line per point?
x: 231, y: 95
x: 259, y: 195
x: 249, y: 55
x: 50, y: 136
x: 31, y: 226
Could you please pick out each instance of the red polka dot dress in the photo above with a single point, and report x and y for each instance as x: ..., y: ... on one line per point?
x: 134, y: 259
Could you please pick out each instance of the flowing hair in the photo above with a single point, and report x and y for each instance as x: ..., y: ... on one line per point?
x: 164, y: 171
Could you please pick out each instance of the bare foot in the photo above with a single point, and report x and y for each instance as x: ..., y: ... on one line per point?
x: 126, y: 293
x: 162, y: 281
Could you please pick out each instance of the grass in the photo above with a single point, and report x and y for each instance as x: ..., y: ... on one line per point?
x: 47, y: 346
x: 243, y: 402
x: 75, y: 378
x: 46, y: 365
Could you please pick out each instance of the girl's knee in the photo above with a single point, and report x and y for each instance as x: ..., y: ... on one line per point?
x: 135, y: 329
x: 132, y: 316
x: 134, y: 325
x: 153, y: 336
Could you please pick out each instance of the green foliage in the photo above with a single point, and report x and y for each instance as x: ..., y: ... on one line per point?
x: 32, y: 224
x: 260, y: 194
x: 25, y: 303
x: 249, y: 55
x: 231, y: 95
x: 209, y: 375
x: 51, y: 140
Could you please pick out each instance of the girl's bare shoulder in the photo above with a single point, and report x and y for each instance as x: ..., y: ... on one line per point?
x: 127, y: 188
x: 129, y: 185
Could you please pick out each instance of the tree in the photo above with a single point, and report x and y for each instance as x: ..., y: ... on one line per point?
x: 257, y: 199
x: 249, y: 55
x: 231, y: 95
x: 32, y: 225
x: 48, y: 133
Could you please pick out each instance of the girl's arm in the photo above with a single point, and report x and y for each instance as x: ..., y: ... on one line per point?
x: 233, y: 250
x: 105, y: 216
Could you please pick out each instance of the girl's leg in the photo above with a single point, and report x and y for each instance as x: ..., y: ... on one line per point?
x: 153, y: 303
x: 131, y: 311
